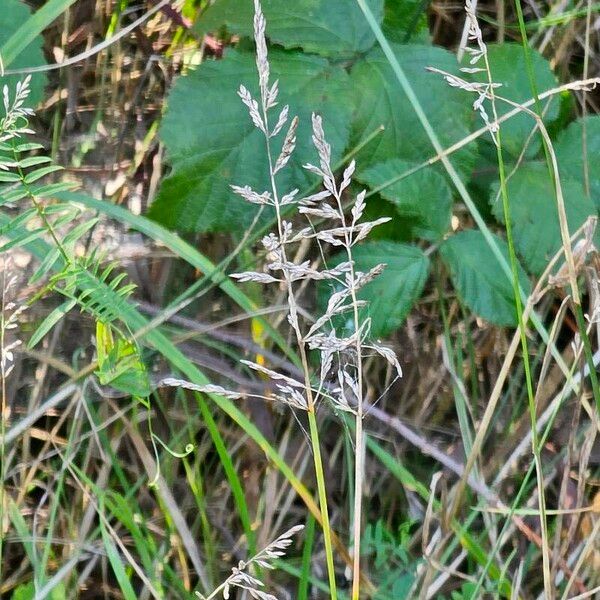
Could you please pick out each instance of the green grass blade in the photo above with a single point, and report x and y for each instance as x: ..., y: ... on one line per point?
x: 309, y: 537
x: 135, y: 321
x: 115, y: 561
x: 34, y: 25
x: 231, y: 474
x: 20, y: 525
x: 50, y: 321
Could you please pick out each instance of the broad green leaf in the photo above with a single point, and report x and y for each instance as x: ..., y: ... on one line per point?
x: 405, y: 20
x: 397, y: 229
x: 478, y: 277
x: 571, y: 157
x: 381, y: 101
x: 13, y: 15
x: 391, y: 295
x: 534, y: 213
x: 325, y: 27
x: 119, y: 362
x: 212, y: 142
x: 508, y: 67
x: 424, y: 197
x: 26, y: 591
x: 30, y: 28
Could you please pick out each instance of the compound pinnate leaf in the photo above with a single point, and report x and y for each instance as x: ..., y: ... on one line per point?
x: 13, y: 14
x: 534, y: 213
x: 478, y: 277
x: 423, y: 197
x: 381, y: 101
x: 508, y: 67
x: 212, y: 143
x: 318, y: 26
x: 572, y: 158
x: 391, y: 295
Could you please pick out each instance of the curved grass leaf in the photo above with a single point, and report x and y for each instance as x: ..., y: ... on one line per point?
x: 30, y: 28
x: 478, y: 277
x: 212, y: 143
x: 318, y: 26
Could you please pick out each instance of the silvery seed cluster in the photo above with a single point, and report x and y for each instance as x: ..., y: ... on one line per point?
x: 241, y: 579
x: 484, y: 91
x: 340, y: 230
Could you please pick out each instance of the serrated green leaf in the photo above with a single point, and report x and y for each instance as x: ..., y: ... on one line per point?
x: 397, y: 229
x: 391, y: 295
x: 381, y: 101
x: 478, y: 276
x: 212, y: 143
x: 508, y: 67
x: 569, y: 149
x: 424, y: 197
x: 13, y: 16
x: 405, y: 20
x: 325, y: 27
x: 534, y: 213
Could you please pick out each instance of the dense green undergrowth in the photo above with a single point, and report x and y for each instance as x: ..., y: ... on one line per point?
x: 347, y: 79
x: 336, y: 67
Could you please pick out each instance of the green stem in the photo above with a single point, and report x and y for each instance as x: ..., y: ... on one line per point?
x: 535, y: 446
x: 316, y: 448
x: 576, y: 305
x: 589, y: 355
x: 309, y: 536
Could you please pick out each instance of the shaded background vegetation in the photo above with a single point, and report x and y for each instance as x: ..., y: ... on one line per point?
x: 150, y: 126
